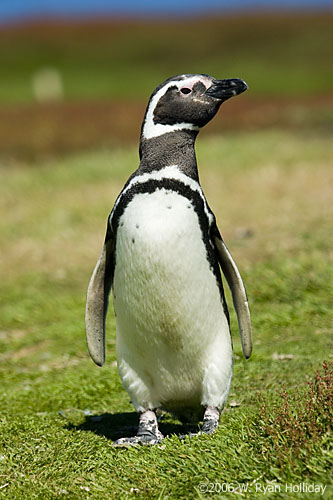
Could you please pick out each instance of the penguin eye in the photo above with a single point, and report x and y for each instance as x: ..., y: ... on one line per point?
x: 185, y: 90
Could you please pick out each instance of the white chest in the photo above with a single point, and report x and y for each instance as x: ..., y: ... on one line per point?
x: 168, y: 307
x: 161, y: 262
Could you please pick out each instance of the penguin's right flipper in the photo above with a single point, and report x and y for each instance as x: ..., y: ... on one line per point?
x: 238, y: 291
x: 98, y: 300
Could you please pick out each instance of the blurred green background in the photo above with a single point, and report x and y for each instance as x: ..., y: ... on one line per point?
x: 70, y: 85
x: 278, y: 54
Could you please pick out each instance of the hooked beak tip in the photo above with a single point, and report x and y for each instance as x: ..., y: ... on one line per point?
x: 224, y: 89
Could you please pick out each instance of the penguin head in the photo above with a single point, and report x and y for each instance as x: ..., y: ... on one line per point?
x: 187, y: 102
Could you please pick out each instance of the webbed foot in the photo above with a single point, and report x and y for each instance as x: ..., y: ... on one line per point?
x: 148, y: 432
x: 211, y: 420
x: 210, y: 423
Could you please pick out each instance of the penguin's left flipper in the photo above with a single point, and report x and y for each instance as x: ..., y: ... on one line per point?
x: 238, y: 292
x: 98, y: 301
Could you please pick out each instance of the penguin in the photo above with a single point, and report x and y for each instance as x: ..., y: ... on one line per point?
x: 161, y: 258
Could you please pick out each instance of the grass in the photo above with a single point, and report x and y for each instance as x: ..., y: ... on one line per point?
x: 271, y: 193
x: 297, y: 421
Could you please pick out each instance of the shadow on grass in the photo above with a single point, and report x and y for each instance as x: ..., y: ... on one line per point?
x: 117, y: 425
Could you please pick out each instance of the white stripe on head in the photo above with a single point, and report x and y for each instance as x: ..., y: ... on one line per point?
x: 151, y: 129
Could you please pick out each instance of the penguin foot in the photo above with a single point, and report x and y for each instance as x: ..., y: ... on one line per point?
x: 148, y: 432
x: 211, y: 420
x: 137, y: 440
x: 210, y: 423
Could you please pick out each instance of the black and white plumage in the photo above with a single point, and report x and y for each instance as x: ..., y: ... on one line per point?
x: 162, y: 257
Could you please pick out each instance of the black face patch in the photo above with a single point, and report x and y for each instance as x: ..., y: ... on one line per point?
x: 199, y: 88
x: 191, y: 106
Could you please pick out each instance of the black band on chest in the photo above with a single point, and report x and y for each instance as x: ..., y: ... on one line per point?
x: 198, y: 203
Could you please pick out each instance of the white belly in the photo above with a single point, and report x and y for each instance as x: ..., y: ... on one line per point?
x: 173, y: 340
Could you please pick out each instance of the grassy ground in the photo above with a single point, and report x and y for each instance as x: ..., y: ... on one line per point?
x: 271, y: 192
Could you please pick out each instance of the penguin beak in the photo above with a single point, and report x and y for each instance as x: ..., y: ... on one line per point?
x: 224, y: 89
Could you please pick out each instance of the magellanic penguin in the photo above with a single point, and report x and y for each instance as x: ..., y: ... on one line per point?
x: 162, y: 257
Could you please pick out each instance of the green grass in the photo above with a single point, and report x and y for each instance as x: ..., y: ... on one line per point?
x: 277, y: 54
x: 275, y: 185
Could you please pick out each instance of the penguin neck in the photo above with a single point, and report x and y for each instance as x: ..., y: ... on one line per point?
x: 172, y: 148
